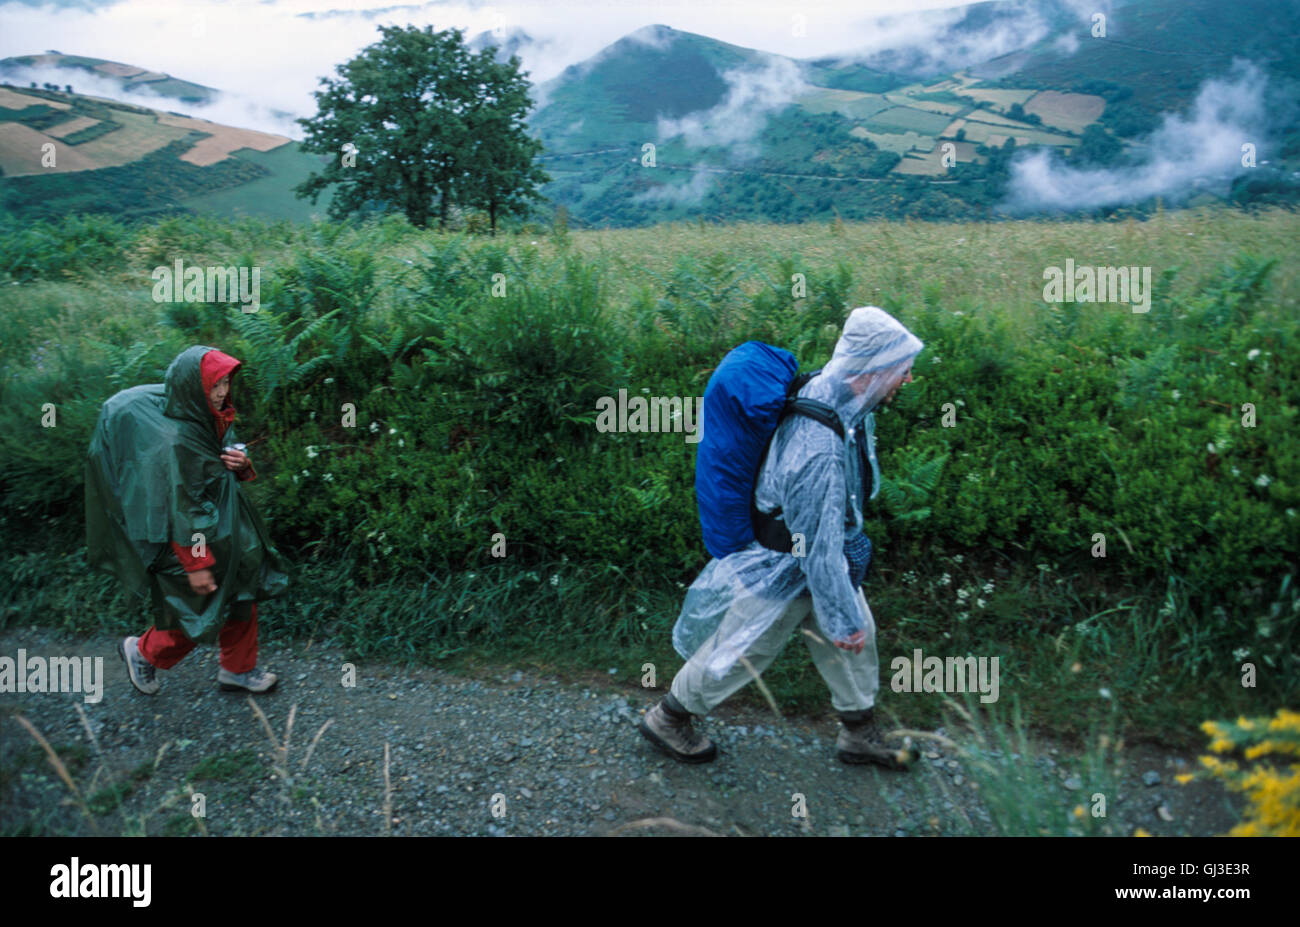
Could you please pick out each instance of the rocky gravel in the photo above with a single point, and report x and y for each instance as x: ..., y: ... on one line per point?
x: 506, y: 752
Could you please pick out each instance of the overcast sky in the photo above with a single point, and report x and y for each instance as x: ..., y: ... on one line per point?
x: 275, y: 51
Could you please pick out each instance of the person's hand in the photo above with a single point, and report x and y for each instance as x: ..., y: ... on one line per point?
x: 235, y: 460
x: 854, y: 642
x: 203, y: 582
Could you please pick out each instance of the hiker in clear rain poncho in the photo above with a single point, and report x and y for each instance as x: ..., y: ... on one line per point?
x: 742, y: 609
x: 165, y: 513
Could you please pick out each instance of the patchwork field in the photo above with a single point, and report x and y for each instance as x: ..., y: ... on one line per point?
x: 221, y: 140
x: 1070, y: 111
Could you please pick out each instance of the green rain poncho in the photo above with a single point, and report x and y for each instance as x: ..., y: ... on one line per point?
x: 154, y: 477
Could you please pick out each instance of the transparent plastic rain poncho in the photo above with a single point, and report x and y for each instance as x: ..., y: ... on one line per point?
x: 805, y: 474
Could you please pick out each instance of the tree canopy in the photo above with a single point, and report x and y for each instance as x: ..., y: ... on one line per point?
x: 419, y: 122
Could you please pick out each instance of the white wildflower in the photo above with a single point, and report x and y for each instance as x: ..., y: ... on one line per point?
x: 1263, y: 480
x: 374, y: 426
x: 1252, y: 354
x: 311, y: 451
x: 1104, y: 693
x: 328, y: 477
x: 981, y: 603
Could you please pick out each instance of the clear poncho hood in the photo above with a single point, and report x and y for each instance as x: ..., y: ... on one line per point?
x: 875, y: 350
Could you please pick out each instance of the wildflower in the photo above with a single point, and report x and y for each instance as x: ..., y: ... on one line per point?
x: 374, y: 426
x: 988, y: 587
x: 1263, y: 480
x: 1241, y: 653
x: 311, y: 451
x: 961, y: 616
x: 1177, y: 395
x: 1221, y: 745
x: 945, y: 579
x: 981, y: 603
x: 1104, y: 692
x: 1210, y: 447
x: 1078, y: 811
x: 555, y: 580
x: 1236, y: 472
x: 328, y: 477
x: 962, y: 595
x: 305, y: 473
x: 392, y: 431
x: 956, y: 558
x: 1252, y: 354
x: 329, y: 380
x: 1141, y: 832
x: 1184, y: 778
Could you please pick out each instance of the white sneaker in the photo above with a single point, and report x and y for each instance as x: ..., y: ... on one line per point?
x: 255, y: 680
x: 138, y: 668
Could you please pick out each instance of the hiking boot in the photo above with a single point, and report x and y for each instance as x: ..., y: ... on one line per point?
x: 255, y: 680
x: 138, y: 668
x: 668, y: 727
x: 859, y: 743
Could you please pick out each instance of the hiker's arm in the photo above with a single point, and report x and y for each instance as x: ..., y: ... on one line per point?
x: 814, y: 507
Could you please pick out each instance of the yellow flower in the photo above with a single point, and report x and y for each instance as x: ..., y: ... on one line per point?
x: 1185, y: 778
x: 1221, y: 745
x: 1078, y: 811
x: 1140, y: 832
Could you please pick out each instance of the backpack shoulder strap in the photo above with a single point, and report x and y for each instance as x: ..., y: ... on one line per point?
x: 811, y: 408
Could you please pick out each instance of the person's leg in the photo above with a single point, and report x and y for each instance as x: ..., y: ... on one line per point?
x: 238, y: 639
x: 694, y: 691
x: 698, y: 692
x: 853, y: 678
x: 153, y: 650
x: 164, y: 649
x: 854, y: 681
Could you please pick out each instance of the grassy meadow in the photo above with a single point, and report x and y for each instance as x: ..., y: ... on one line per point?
x: 473, y: 366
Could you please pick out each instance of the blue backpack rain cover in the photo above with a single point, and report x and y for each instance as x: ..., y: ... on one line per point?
x: 742, y: 407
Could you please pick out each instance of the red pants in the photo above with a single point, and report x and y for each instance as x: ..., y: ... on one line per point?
x: 238, y: 639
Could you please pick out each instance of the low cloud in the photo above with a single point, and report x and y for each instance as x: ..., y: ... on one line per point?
x: 752, y: 95
x: 687, y: 193
x: 230, y: 109
x: 1201, y: 150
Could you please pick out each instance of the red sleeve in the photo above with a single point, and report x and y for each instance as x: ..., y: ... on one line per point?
x: 248, y: 473
x: 190, y: 563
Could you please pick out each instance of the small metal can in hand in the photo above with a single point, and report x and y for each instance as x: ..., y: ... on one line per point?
x: 235, y: 447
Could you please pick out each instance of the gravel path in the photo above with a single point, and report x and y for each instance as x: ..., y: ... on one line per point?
x: 510, y: 753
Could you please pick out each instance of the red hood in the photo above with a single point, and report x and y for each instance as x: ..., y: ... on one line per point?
x: 213, y: 367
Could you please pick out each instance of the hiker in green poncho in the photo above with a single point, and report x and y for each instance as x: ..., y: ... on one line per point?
x: 166, y: 515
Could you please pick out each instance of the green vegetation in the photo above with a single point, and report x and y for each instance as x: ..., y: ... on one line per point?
x: 474, y: 417
x: 447, y: 130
